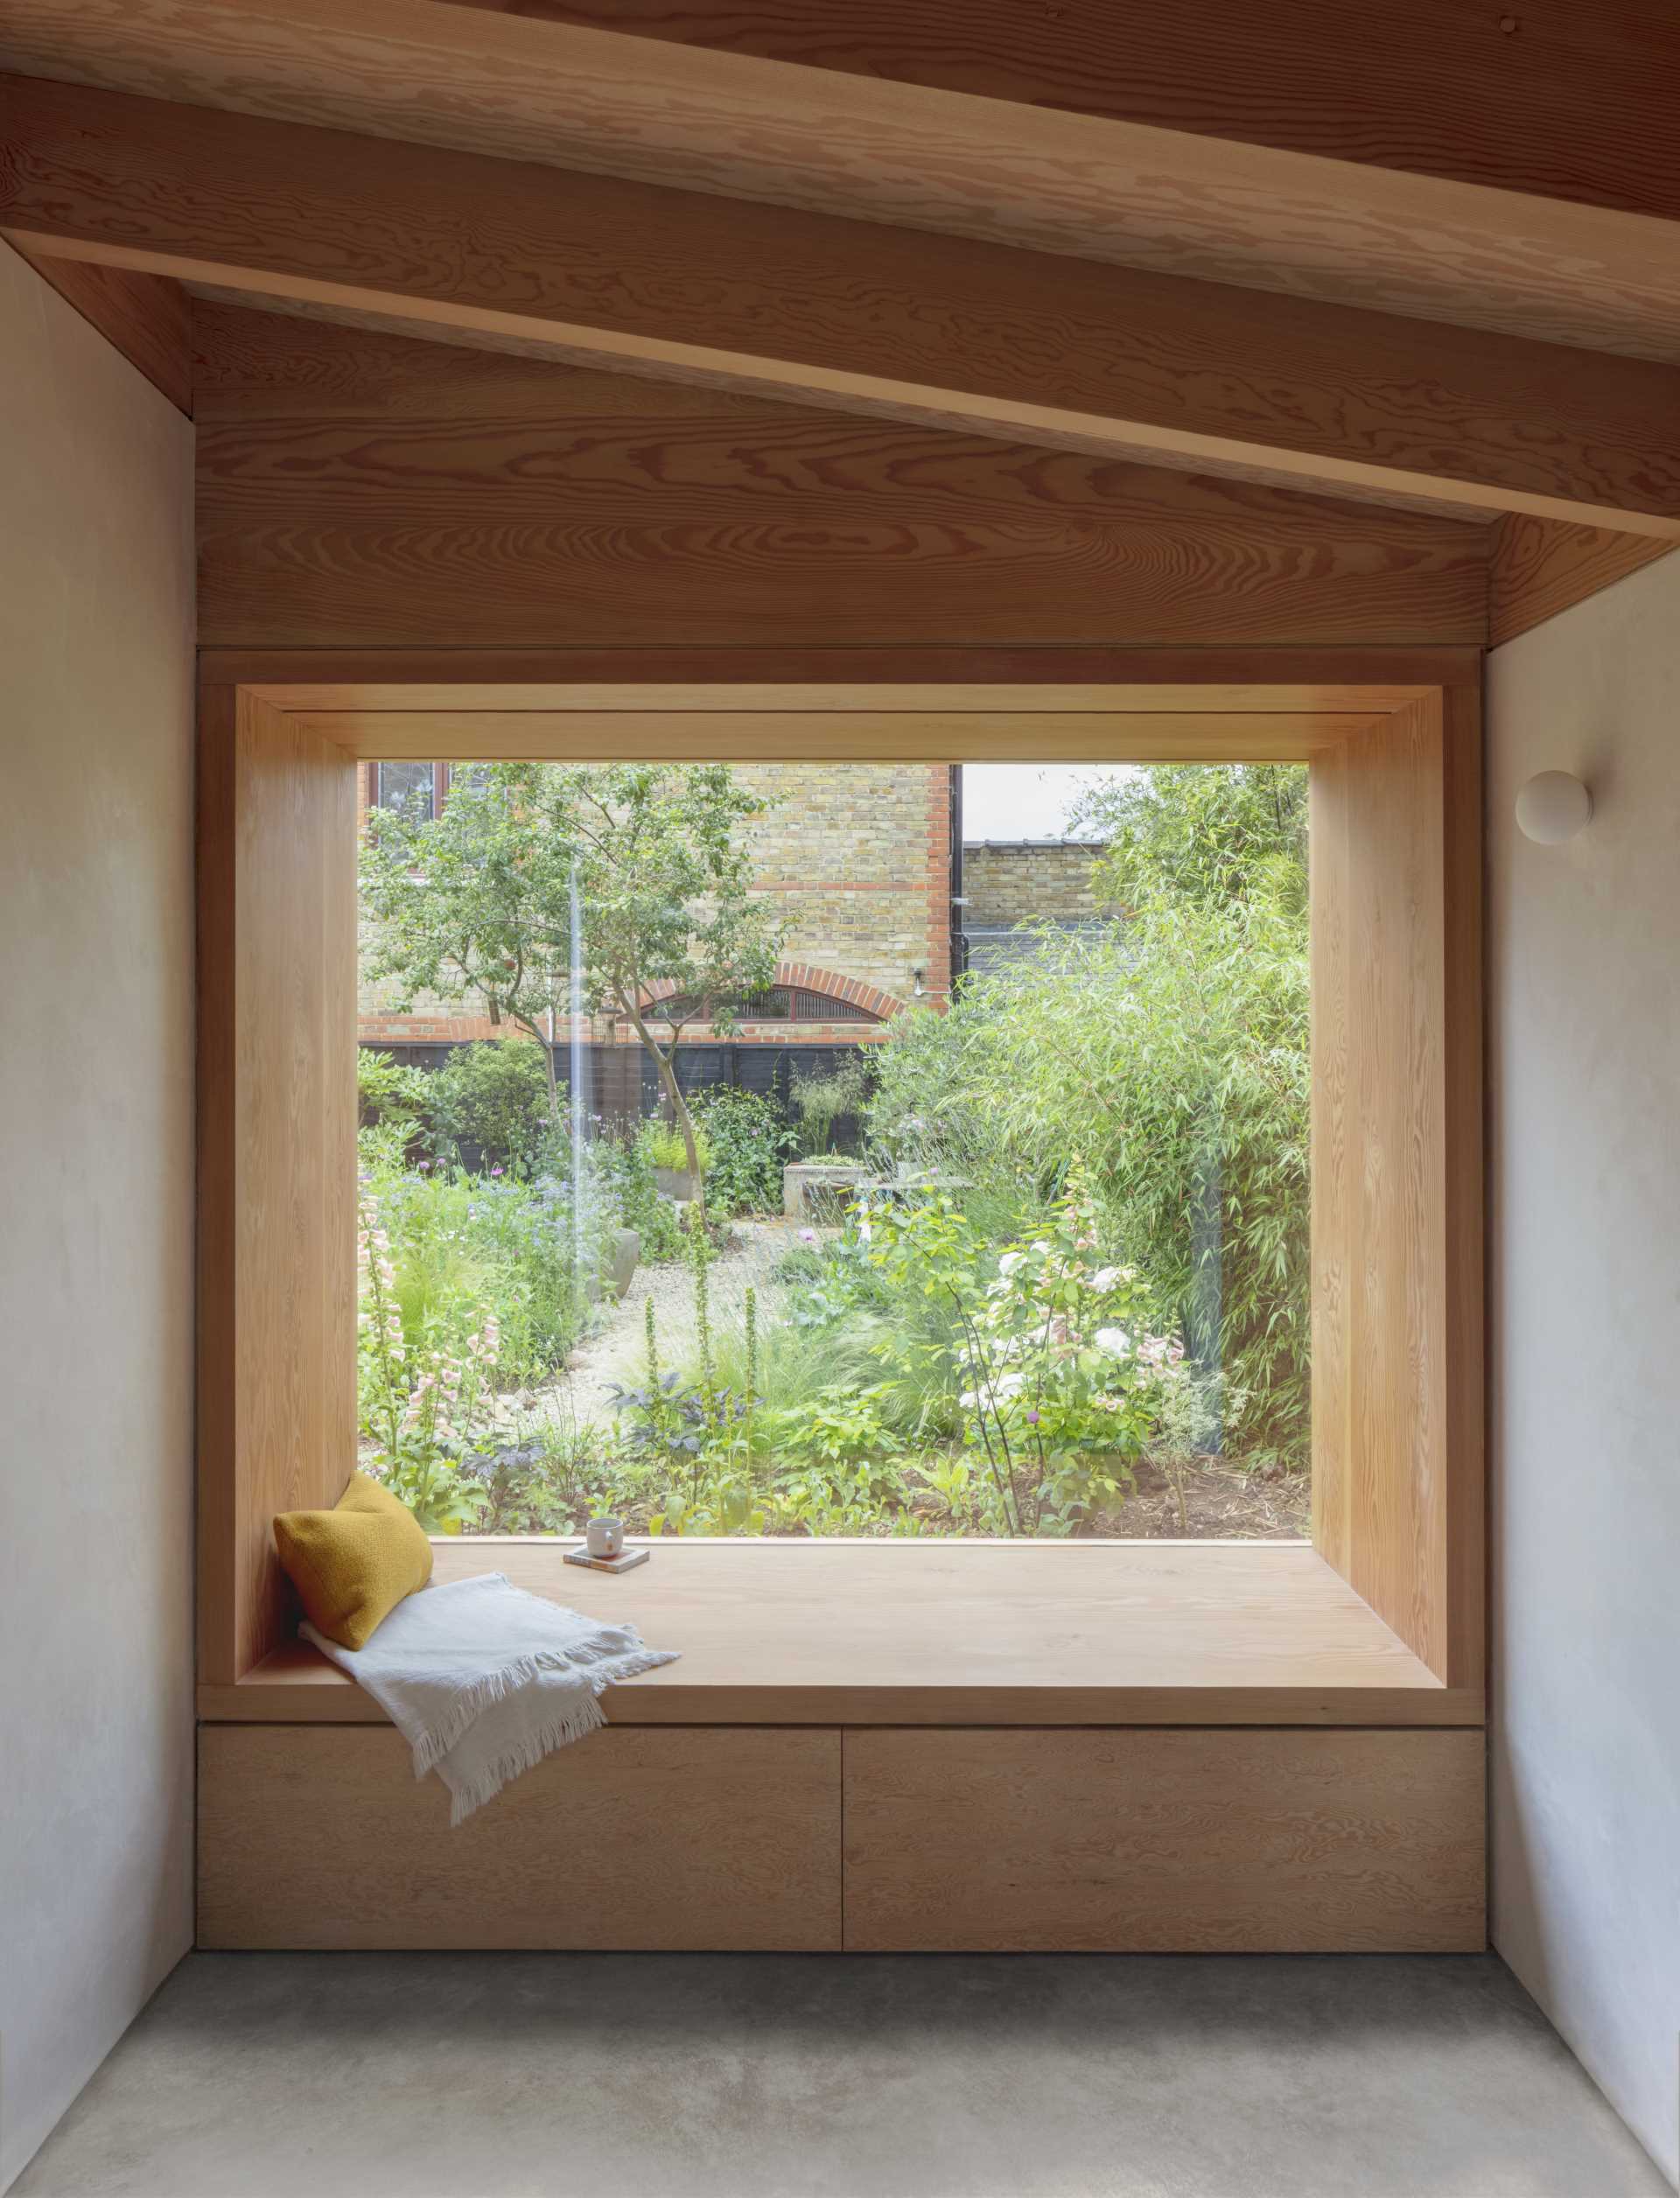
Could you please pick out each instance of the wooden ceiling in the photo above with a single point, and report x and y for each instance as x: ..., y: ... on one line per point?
x: 1409, y: 156
x: 1046, y: 228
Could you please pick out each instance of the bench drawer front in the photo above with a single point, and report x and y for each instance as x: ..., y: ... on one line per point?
x: 1167, y: 1842
x: 690, y: 1838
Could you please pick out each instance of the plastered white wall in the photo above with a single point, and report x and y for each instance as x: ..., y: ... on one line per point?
x: 96, y: 1201
x: 1584, y: 1077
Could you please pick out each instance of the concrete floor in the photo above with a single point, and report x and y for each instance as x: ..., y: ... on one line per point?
x: 494, y: 2075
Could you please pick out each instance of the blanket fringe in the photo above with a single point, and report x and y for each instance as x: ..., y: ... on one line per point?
x: 583, y: 1716
x: 625, y: 1661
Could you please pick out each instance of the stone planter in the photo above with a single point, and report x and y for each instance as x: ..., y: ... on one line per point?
x: 613, y: 1276
x: 626, y: 1257
x: 675, y: 1183
x: 814, y: 1190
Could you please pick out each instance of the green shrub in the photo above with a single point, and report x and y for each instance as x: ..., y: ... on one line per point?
x: 491, y: 1100
x: 746, y: 1144
x: 1167, y: 1054
x: 388, y: 1093
x: 627, y: 1167
x: 462, y: 1246
x: 662, y: 1142
x: 819, y: 1101
x: 841, y: 1426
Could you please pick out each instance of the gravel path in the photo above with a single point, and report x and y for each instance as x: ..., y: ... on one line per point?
x: 615, y: 1353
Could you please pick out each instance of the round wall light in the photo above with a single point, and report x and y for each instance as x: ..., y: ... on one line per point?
x: 1552, y: 808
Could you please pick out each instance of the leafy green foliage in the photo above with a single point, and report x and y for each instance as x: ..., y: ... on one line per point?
x: 746, y: 1144
x: 460, y: 1246
x: 1094, y: 1246
x: 841, y: 1427
x: 665, y: 1147
x: 490, y: 1101
x: 1201, y: 833
x: 1168, y: 1056
x: 420, y: 1406
x: 1062, y: 1381
x: 822, y: 1102
x: 388, y: 1092
x: 542, y: 888
x: 624, y: 1171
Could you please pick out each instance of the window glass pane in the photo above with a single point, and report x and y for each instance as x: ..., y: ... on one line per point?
x: 984, y: 1210
x: 407, y: 787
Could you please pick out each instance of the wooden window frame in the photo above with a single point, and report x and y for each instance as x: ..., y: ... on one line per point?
x: 1393, y: 740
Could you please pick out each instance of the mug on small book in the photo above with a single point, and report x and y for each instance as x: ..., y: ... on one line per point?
x: 605, y: 1537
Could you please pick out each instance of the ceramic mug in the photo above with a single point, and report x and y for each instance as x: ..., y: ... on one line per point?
x: 605, y: 1537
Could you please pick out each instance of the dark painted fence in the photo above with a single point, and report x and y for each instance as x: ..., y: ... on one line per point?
x: 620, y: 1084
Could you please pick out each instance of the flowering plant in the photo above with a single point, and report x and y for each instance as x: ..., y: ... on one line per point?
x: 423, y: 1412
x: 1063, y: 1379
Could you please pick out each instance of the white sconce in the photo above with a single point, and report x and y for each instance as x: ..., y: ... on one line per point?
x: 916, y: 977
x: 1552, y: 808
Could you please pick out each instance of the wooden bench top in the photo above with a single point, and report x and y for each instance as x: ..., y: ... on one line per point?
x: 790, y: 1632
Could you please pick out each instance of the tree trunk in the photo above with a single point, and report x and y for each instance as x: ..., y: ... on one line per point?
x: 680, y: 1115
x: 547, y: 1062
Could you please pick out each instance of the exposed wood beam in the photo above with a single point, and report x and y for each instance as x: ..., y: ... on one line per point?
x: 846, y: 315
x: 936, y: 133
x: 1553, y: 99
x: 145, y: 317
x: 1540, y: 568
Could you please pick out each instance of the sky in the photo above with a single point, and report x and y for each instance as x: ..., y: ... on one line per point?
x: 1026, y: 801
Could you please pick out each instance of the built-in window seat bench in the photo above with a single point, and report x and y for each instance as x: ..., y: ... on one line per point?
x: 890, y: 1746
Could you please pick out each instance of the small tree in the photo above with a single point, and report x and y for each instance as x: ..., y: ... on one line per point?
x: 545, y: 886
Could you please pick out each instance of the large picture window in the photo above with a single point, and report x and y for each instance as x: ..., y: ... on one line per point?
x: 1063, y: 1180
x: 738, y: 1194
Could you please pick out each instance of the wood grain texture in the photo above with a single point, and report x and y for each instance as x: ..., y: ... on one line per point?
x: 864, y: 675
x: 537, y: 503
x: 599, y: 487
x: 1563, y: 108
x: 848, y: 315
x: 953, y: 1634
x: 1164, y: 1842
x: 1539, y: 568
x: 540, y: 351
x: 323, y: 1838
x: 1308, y: 703
x: 1396, y: 1161
x: 1464, y: 1306
x: 1523, y: 182
x: 145, y: 316
x: 277, y: 1403
x: 856, y: 736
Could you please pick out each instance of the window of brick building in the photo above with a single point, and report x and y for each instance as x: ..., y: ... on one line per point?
x: 408, y: 787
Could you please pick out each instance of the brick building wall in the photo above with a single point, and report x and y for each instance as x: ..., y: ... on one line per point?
x: 1011, y: 889
x: 1004, y: 883
x: 856, y: 857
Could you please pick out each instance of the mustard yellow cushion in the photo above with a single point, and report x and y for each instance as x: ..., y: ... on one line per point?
x: 353, y: 1564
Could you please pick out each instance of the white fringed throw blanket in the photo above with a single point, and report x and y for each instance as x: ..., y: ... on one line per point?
x: 483, y: 1680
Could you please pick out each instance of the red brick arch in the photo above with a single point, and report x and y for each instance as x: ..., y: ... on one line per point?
x: 851, y: 992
